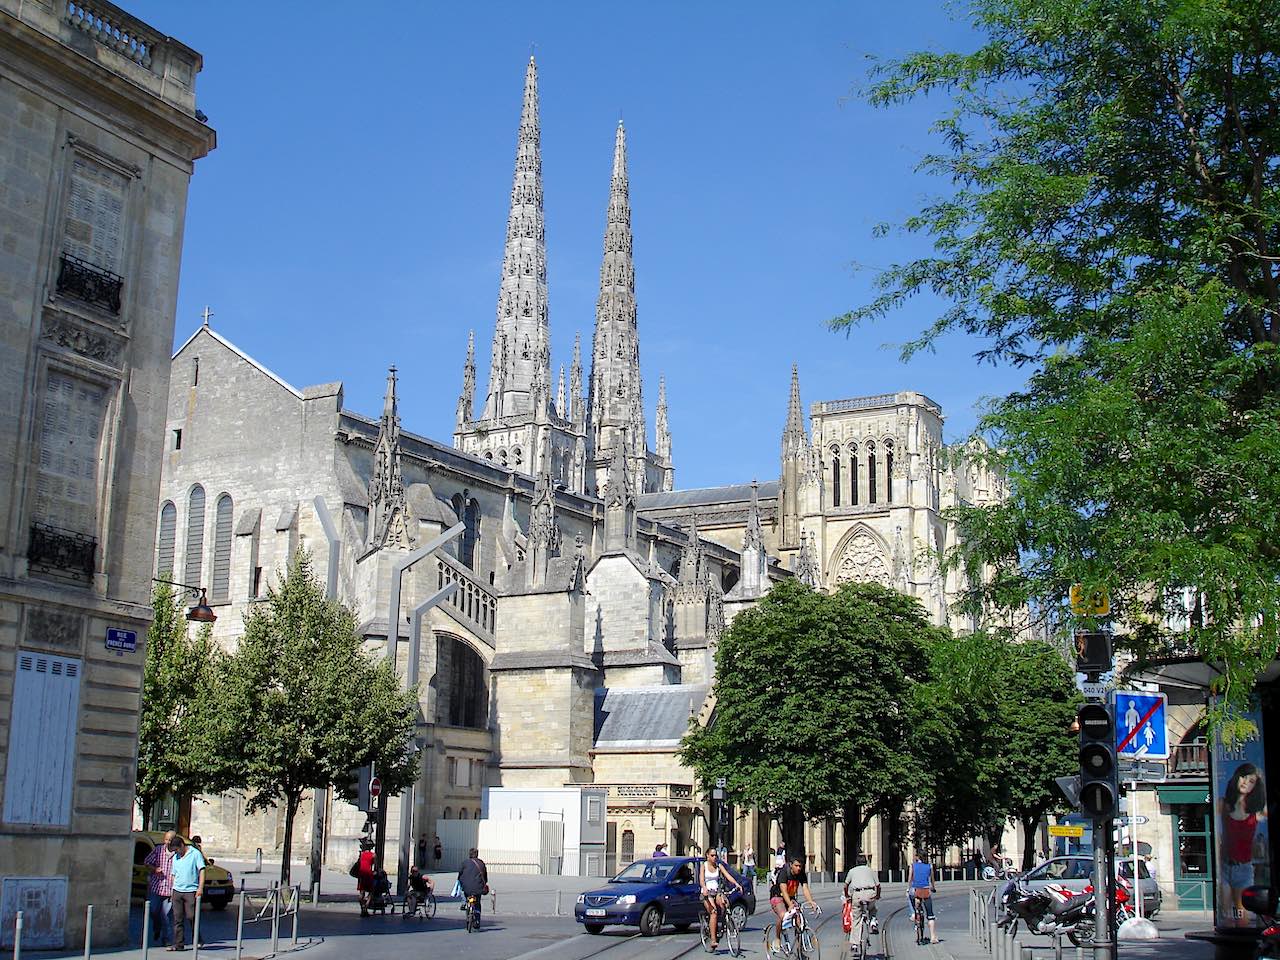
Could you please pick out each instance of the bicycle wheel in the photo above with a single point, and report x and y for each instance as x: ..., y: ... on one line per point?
x: 704, y: 930
x: 733, y: 933
x: 810, y: 949
x: 429, y: 906
x: 864, y: 940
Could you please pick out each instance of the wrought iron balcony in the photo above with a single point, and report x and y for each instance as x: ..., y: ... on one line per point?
x: 82, y: 280
x: 60, y: 551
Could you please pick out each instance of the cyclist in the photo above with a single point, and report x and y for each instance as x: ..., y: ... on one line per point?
x: 862, y: 884
x: 921, y: 892
x: 789, y: 879
x: 712, y: 896
x: 473, y: 878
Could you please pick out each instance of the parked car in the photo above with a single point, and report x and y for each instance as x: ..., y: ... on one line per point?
x: 1075, y: 872
x: 219, y: 888
x: 651, y: 893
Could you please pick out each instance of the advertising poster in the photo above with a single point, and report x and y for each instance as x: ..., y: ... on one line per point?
x: 1240, y: 810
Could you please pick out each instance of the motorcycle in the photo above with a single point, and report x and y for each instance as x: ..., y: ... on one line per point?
x: 1262, y: 901
x: 1123, y: 906
x: 1050, y: 912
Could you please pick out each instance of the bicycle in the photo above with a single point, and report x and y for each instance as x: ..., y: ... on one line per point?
x: 799, y: 941
x: 419, y: 905
x: 472, y: 907
x: 858, y: 946
x: 922, y: 929
x: 726, y: 923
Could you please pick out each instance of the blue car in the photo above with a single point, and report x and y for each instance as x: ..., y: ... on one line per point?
x: 650, y: 893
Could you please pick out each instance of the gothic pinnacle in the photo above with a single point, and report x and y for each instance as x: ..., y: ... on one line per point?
x: 662, y: 435
x: 466, y: 399
x: 575, y: 380
x: 561, y: 412
x: 793, y: 436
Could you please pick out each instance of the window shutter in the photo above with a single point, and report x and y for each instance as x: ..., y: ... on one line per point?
x: 195, y: 536
x: 39, y: 774
x: 222, y: 548
x: 70, y: 451
x: 168, y: 534
x: 95, y: 214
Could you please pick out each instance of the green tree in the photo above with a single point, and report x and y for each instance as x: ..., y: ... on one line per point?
x: 1030, y: 734
x: 302, y: 703
x: 1114, y: 230
x: 813, y: 711
x: 177, y: 753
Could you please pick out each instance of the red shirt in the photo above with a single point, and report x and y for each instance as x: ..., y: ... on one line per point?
x: 1239, y: 837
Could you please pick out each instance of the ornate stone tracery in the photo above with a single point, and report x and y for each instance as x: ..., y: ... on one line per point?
x: 862, y: 561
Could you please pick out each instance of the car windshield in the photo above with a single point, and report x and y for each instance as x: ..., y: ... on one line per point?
x: 643, y: 871
x: 1126, y: 870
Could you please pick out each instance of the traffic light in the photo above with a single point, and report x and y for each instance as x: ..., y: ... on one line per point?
x: 355, y: 788
x: 1099, y: 790
x: 1093, y: 653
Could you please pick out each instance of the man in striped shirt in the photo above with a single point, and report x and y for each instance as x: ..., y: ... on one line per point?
x: 160, y: 888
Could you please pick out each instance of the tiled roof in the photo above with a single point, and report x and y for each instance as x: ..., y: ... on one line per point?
x: 646, y: 716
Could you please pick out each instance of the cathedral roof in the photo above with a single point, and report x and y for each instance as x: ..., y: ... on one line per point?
x: 425, y: 506
x: 646, y: 716
x: 703, y: 496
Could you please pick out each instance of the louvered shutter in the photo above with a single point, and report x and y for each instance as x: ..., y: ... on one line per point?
x: 222, y: 549
x: 95, y: 214
x: 168, y: 534
x: 39, y: 773
x: 194, y: 566
x: 70, y: 453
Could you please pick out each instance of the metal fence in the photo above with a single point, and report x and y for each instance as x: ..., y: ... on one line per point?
x: 279, y: 904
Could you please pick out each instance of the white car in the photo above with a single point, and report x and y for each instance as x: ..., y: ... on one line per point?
x: 1076, y: 872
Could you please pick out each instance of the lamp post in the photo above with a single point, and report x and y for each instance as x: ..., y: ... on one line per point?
x: 201, y: 612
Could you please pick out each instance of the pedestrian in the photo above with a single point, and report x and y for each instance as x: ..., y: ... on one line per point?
x: 160, y: 889
x: 437, y: 850
x: 780, y: 858
x: 659, y: 850
x: 187, y: 866
x: 364, y: 875
x: 749, y: 864
x: 473, y: 879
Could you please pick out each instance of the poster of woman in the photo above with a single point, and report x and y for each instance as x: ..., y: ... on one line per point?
x: 1241, y: 809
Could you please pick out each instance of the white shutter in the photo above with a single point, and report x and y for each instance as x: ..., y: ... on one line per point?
x: 95, y: 213
x: 39, y: 775
x: 222, y: 548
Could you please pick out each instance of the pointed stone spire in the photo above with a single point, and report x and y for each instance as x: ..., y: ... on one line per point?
x: 754, y: 581
x: 388, y: 524
x: 692, y: 571
x: 754, y: 535
x: 619, y: 503
x: 576, y: 411
x: 522, y: 297
x: 797, y: 463
x: 615, y: 407
x: 544, y: 534
x: 805, y: 565
x: 561, y: 412
x: 662, y: 437
x: 794, y: 438
x: 466, y: 399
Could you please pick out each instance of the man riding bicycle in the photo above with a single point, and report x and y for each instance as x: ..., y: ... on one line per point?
x: 709, y: 875
x: 862, y: 884
x: 789, y: 879
x: 473, y: 880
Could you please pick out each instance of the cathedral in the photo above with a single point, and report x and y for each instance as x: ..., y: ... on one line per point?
x: 579, y: 643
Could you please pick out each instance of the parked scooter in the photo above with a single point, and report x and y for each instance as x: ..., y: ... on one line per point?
x: 1262, y: 901
x: 1050, y: 912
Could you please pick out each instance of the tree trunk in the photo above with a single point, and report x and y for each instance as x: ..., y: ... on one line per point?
x: 792, y: 823
x: 146, y: 804
x: 291, y: 801
x: 1029, y: 841
x: 851, y: 843
x: 894, y: 840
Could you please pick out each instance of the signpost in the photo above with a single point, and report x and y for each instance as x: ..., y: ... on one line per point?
x: 1140, y: 725
x: 375, y: 788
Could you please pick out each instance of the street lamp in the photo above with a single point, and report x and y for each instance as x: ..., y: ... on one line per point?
x: 201, y: 612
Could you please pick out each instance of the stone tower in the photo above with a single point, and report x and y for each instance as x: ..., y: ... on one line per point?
x: 522, y: 424
x: 615, y: 404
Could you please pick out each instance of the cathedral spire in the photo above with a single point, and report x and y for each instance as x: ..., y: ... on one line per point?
x: 466, y: 399
x: 387, y: 522
x: 575, y: 381
x: 524, y: 365
x: 691, y: 563
x: 616, y: 409
x: 796, y: 463
x: 793, y: 435
x: 662, y: 438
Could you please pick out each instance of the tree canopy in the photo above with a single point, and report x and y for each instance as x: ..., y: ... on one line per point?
x: 301, y: 703
x: 1113, y: 229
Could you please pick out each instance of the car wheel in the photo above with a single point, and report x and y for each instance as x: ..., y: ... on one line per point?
x: 593, y: 928
x: 739, y: 912
x: 651, y: 921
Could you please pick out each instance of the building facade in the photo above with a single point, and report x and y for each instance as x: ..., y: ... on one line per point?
x: 99, y: 133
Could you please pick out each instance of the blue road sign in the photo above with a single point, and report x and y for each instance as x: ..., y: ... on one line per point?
x: 123, y: 640
x: 1140, y: 725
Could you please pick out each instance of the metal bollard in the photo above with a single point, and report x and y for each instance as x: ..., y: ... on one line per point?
x: 195, y: 930
x: 557, y: 903
x: 257, y: 858
x: 146, y: 927
x: 275, y: 917
x: 88, y: 932
x: 1079, y: 953
x: 17, y: 937
x: 297, y: 908
x: 240, y: 924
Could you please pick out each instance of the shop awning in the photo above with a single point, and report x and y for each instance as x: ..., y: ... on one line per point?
x: 1191, y: 673
x: 1183, y: 794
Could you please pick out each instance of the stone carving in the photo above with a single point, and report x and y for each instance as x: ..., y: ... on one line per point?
x: 71, y: 336
x: 806, y: 567
x: 863, y: 562
x: 52, y: 628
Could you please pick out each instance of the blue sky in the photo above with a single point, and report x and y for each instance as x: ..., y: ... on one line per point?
x: 353, y: 213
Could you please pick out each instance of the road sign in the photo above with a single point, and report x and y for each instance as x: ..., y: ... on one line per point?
x: 1091, y: 603
x: 1093, y: 690
x: 1140, y: 725
x: 721, y: 782
x: 125, y: 641
x: 375, y: 787
x: 1070, y: 787
x: 1142, y: 770
x: 1075, y: 830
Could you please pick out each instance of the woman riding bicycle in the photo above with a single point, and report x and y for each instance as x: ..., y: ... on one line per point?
x: 713, y: 898
x: 920, y: 895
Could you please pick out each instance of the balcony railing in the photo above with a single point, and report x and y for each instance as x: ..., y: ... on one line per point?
x: 82, y: 280
x: 66, y: 552
x: 1189, y: 761
x: 114, y: 28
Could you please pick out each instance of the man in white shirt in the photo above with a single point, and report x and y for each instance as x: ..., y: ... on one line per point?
x: 861, y: 883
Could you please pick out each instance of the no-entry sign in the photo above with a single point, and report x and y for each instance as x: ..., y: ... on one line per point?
x: 375, y: 787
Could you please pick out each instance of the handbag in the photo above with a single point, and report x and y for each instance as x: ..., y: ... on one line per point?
x: 846, y: 916
x: 355, y: 869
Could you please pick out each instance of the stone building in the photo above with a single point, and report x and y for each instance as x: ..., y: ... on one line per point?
x: 98, y: 136
x: 580, y: 643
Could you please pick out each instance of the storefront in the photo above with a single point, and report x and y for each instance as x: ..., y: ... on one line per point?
x: 1190, y: 813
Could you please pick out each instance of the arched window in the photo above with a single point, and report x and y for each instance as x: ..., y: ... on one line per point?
x: 462, y: 814
x: 448, y: 813
x: 853, y: 474
x: 471, y: 535
x: 871, y: 471
x: 194, y: 566
x: 628, y: 853
x: 222, y: 548
x: 888, y: 471
x: 502, y: 457
x: 462, y: 688
x: 835, y: 476
x: 168, y: 534
x: 517, y: 457
x: 477, y: 814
